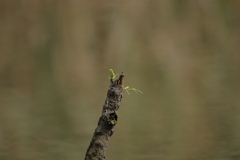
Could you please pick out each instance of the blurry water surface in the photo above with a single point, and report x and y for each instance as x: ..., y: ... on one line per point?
x: 184, y: 55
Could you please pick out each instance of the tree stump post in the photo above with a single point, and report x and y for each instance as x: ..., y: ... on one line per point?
x: 107, y: 121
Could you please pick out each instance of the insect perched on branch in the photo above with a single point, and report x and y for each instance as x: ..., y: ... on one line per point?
x: 127, y: 89
x: 113, y: 75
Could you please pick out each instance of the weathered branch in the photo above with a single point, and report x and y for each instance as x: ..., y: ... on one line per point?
x: 107, y: 121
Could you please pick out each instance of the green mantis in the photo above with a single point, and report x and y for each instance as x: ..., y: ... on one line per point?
x: 113, y: 75
x: 127, y: 89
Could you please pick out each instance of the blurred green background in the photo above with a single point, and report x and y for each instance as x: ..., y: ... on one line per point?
x: 183, y: 54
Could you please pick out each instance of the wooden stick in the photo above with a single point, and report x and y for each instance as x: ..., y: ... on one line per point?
x: 107, y: 121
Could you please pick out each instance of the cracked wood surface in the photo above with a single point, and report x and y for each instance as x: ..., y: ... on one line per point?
x: 107, y: 121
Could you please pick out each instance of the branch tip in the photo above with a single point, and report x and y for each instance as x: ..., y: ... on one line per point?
x: 119, y: 81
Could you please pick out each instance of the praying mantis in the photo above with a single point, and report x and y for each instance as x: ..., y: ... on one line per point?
x: 127, y: 89
x: 113, y: 75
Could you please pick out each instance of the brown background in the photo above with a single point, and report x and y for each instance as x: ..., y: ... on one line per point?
x: 183, y: 54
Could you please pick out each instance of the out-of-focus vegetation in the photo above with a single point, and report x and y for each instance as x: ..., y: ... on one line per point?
x: 183, y: 54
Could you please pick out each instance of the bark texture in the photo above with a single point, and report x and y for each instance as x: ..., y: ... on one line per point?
x: 107, y: 121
